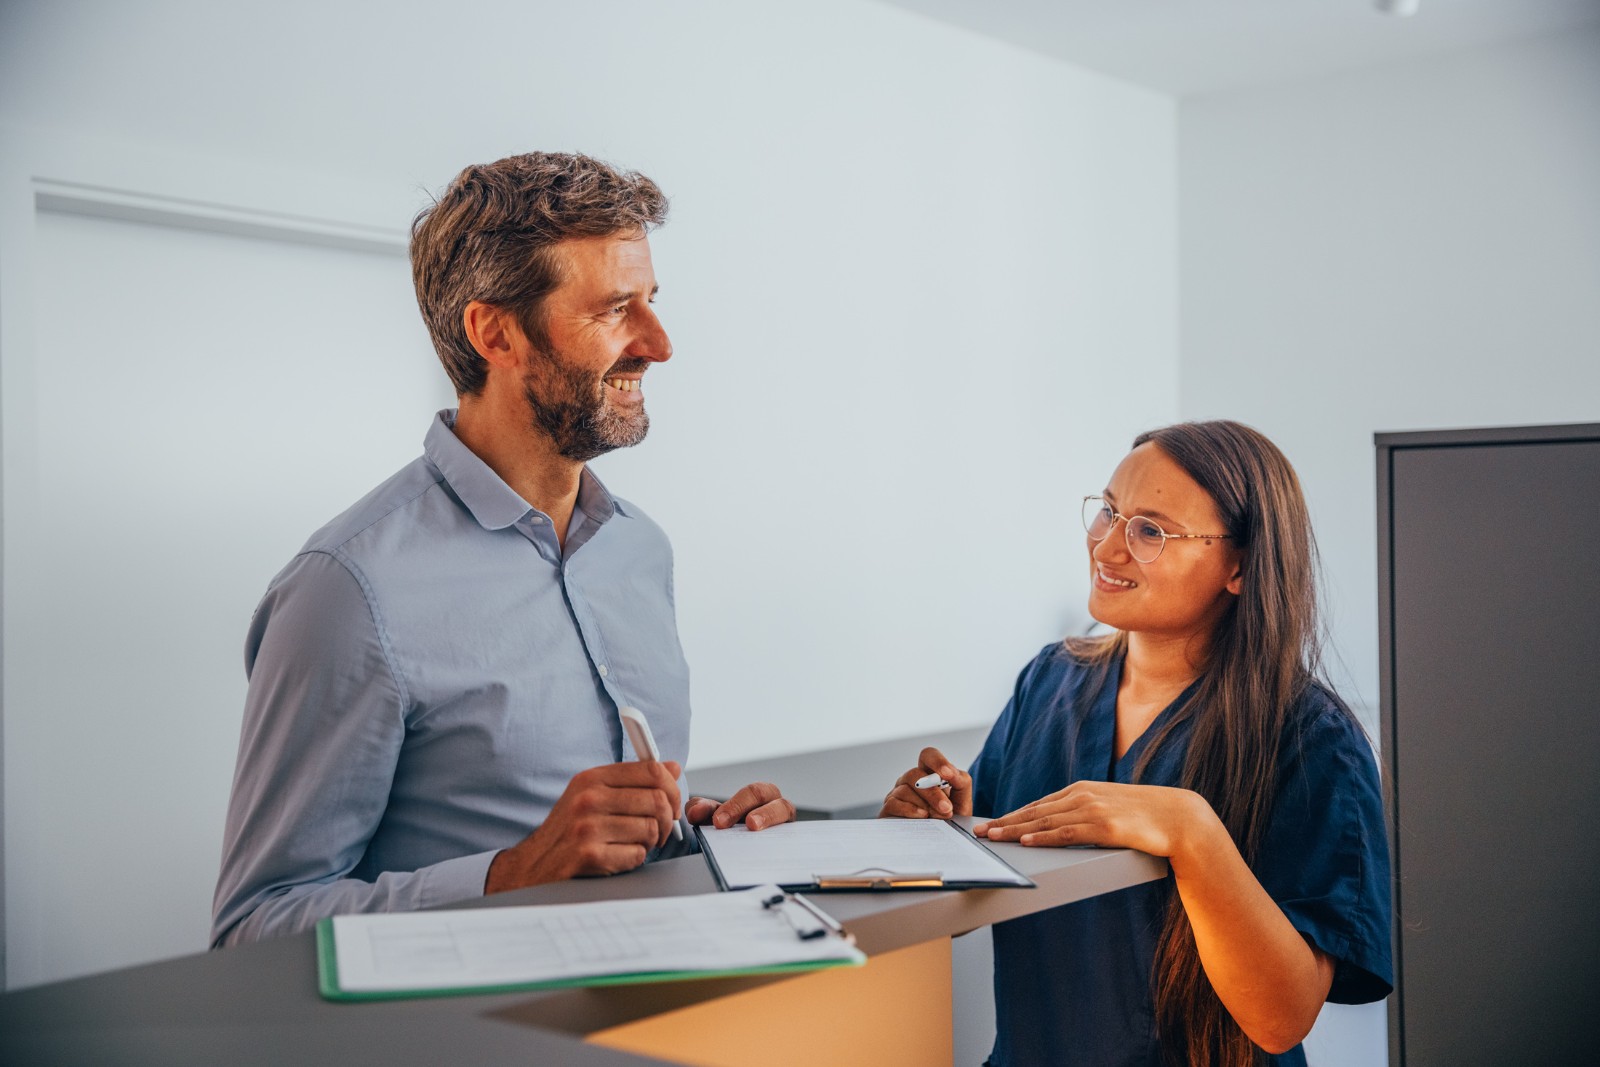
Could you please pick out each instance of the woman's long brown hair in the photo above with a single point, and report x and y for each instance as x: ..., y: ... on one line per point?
x: 1264, y: 653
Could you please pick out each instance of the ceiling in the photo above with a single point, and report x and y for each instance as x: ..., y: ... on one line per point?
x: 1184, y: 47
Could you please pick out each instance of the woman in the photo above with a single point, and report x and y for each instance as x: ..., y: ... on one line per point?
x: 1196, y: 731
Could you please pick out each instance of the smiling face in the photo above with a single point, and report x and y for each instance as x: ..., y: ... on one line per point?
x: 1190, y: 586
x: 585, y: 382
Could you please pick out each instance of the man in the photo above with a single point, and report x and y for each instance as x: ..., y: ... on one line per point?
x: 435, y: 678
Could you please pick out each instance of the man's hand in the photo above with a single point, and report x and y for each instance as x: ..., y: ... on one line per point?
x: 607, y: 820
x: 906, y: 801
x: 759, y: 805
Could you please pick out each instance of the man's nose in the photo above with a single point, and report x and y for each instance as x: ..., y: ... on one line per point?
x: 651, y: 341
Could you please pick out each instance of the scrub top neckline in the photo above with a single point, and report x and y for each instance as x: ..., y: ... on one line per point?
x: 1120, y: 769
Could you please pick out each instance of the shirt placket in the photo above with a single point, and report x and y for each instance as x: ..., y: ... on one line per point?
x: 593, y: 636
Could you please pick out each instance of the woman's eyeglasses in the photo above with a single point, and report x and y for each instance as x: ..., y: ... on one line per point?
x: 1146, y: 538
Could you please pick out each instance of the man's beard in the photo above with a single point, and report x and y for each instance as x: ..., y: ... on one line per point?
x: 570, y: 407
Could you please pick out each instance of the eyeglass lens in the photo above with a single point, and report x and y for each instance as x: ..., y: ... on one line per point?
x: 1145, y: 538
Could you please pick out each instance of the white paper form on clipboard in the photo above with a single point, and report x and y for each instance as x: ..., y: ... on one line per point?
x: 490, y: 950
x: 856, y: 854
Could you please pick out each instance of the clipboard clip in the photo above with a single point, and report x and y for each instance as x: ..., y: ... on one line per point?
x: 827, y: 924
x: 880, y: 878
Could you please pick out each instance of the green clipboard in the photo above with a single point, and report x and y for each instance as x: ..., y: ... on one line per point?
x: 820, y: 926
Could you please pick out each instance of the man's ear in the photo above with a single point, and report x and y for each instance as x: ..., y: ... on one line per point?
x: 494, y: 334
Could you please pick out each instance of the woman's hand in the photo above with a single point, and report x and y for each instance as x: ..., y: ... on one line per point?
x: 1156, y: 819
x: 906, y: 801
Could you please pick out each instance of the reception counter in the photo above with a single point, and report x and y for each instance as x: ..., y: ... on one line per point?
x: 258, y: 1004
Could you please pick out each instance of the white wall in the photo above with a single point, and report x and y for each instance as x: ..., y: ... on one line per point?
x: 174, y: 375
x: 1409, y: 247
x: 906, y: 270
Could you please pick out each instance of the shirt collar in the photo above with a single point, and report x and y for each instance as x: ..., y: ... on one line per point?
x: 492, y: 502
x: 594, y: 499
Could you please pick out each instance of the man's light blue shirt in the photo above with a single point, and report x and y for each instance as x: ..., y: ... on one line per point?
x: 426, y: 676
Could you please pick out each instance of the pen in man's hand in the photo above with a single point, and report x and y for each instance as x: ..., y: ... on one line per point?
x: 644, y: 746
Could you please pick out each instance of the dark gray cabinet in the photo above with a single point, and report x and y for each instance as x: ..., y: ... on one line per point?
x: 1489, y: 573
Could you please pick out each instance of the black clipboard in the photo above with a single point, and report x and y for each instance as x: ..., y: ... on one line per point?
x: 873, y: 878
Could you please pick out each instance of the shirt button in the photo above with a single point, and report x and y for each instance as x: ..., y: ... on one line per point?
x: 603, y: 671
x: 537, y: 521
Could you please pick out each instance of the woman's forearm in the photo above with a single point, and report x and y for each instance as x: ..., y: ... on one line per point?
x: 1271, y: 980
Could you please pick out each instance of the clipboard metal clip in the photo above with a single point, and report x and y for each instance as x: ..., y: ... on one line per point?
x: 880, y: 878
x: 828, y: 924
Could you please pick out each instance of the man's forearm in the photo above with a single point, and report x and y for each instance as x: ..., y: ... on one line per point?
x: 299, y: 908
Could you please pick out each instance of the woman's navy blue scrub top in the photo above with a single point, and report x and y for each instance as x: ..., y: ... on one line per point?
x: 1073, y: 984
